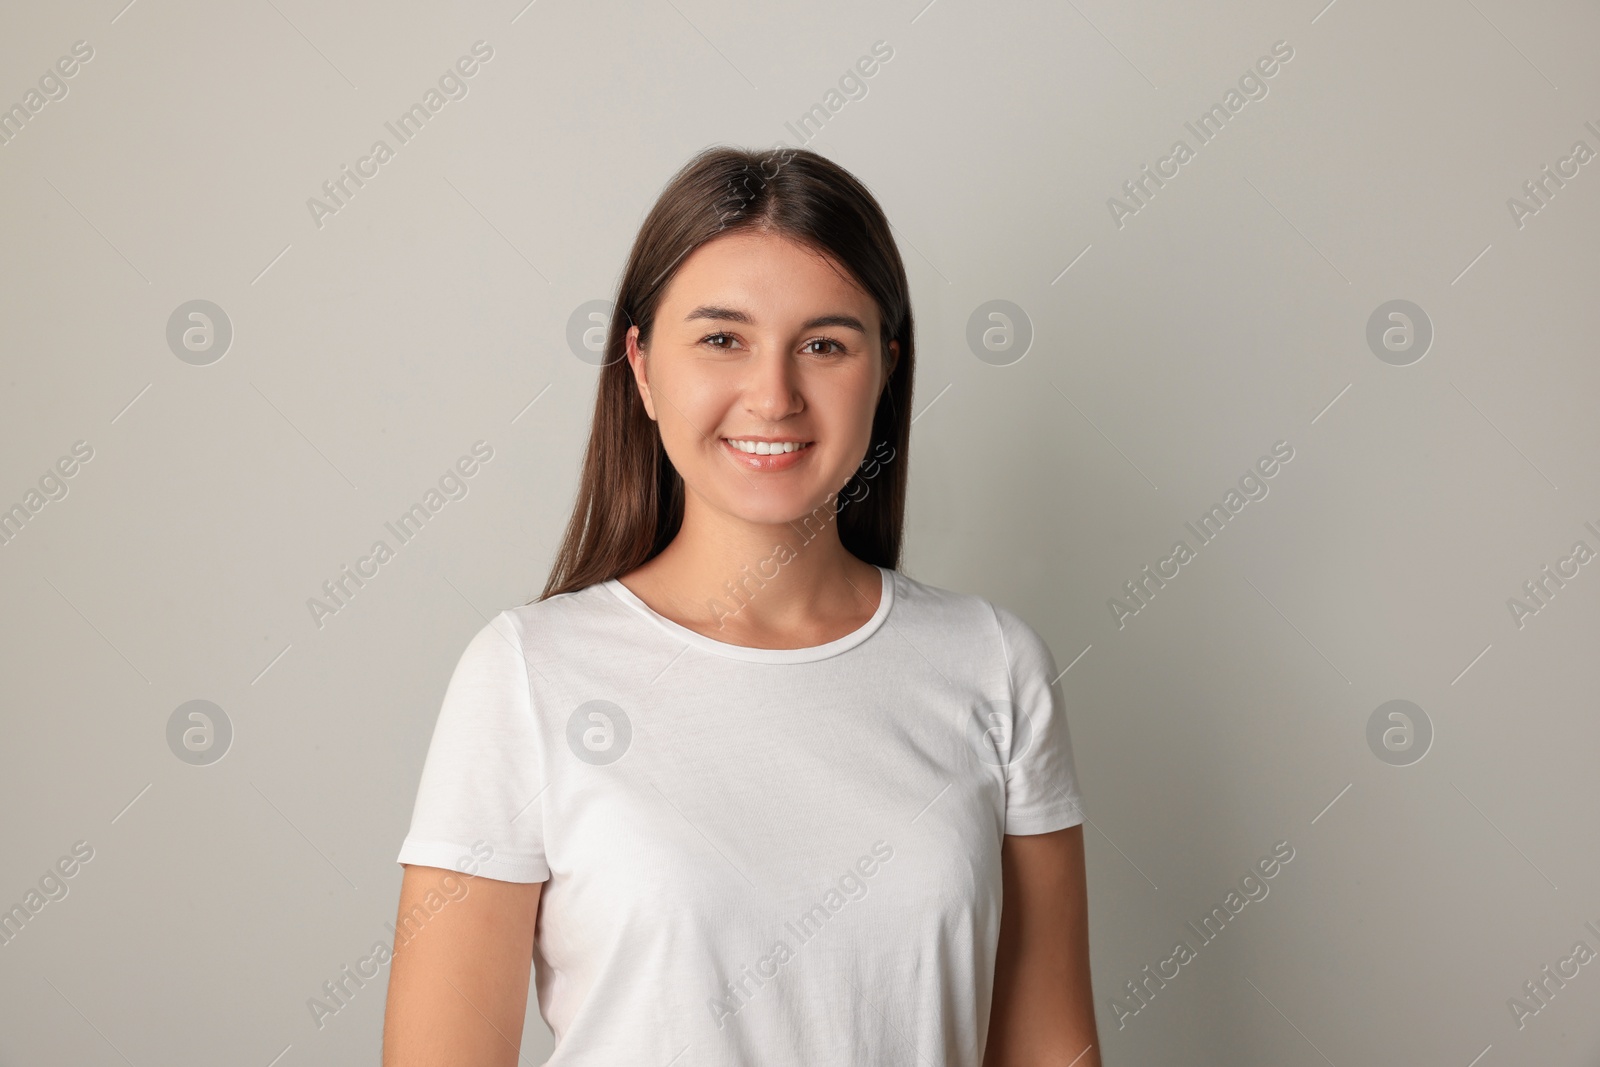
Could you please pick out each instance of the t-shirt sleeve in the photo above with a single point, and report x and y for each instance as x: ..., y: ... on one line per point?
x: 477, y: 807
x: 1041, y: 778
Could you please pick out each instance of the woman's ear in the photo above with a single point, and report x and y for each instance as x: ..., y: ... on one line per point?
x: 894, y: 361
x: 638, y: 362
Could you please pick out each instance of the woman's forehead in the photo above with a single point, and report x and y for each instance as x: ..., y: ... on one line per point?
x: 762, y: 279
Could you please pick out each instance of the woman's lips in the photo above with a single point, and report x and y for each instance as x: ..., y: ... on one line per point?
x: 776, y: 461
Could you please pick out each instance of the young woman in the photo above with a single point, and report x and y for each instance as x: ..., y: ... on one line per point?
x: 743, y: 792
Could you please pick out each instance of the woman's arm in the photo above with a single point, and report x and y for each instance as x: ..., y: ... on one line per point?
x: 1043, y: 1011
x: 458, y: 988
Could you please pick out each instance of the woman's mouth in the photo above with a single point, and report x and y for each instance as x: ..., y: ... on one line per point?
x: 763, y: 455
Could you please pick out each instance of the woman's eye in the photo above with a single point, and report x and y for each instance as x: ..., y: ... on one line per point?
x: 726, y: 340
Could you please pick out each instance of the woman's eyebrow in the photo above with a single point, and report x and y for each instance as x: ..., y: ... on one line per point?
x: 724, y: 314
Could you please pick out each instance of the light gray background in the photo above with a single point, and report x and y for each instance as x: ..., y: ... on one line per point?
x: 1228, y: 314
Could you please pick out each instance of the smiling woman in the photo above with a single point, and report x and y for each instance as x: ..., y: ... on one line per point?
x: 757, y: 381
x: 671, y: 790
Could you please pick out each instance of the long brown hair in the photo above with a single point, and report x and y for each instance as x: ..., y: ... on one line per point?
x: 630, y: 497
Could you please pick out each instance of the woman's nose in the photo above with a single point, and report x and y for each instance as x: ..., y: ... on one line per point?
x: 772, y: 390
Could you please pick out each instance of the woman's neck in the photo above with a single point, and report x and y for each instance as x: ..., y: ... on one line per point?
x: 791, y: 585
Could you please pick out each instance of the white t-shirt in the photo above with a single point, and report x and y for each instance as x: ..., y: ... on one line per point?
x: 752, y: 856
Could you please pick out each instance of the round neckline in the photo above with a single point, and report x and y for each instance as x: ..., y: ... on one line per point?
x: 764, y: 655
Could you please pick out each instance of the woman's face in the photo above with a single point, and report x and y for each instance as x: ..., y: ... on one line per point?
x: 760, y: 339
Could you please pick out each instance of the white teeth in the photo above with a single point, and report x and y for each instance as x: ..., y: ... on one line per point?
x: 767, y: 448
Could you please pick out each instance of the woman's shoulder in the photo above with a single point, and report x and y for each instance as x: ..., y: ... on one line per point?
x: 541, y: 624
x: 564, y: 613
x: 953, y: 610
x: 969, y: 624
